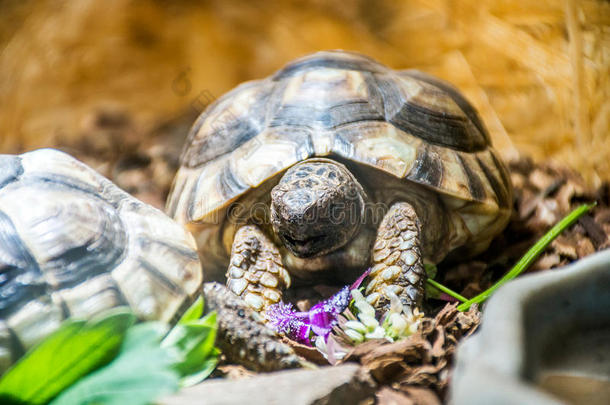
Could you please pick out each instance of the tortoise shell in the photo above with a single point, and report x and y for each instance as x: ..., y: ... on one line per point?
x: 416, y: 129
x: 73, y: 244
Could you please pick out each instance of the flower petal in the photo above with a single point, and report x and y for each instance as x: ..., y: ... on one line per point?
x: 283, y: 319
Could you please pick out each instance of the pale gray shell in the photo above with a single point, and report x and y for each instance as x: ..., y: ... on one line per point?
x: 73, y: 244
x: 416, y: 128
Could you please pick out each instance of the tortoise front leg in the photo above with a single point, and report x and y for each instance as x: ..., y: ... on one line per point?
x: 256, y: 272
x: 397, y: 261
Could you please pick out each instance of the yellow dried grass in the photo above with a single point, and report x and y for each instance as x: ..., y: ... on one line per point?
x: 538, y: 71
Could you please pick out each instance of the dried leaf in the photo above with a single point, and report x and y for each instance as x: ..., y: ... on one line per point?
x: 234, y: 372
x: 439, y: 342
x: 547, y: 261
x: 584, y: 247
x: 422, y: 396
x: 565, y: 246
x: 388, y: 396
x: 595, y: 231
x: 307, y: 352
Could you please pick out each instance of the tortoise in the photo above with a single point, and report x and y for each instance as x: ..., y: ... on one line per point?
x: 73, y: 244
x: 333, y: 164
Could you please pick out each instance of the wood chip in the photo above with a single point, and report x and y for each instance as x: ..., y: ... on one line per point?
x: 595, y: 232
x: 388, y: 396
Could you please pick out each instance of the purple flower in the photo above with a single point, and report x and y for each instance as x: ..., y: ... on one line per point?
x: 284, y: 319
x: 318, y: 321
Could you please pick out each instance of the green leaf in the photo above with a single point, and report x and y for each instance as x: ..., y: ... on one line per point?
x: 136, y: 386
x: 193, y: 342
x: 142, y: 372
x: 205, y: 369
x: 75, y: 349
x: 194, y: 312
x: 147, y: 334
x: 441, y: 288
x: 431, y: 270
x: 432, y: 292
x: 435, y: 289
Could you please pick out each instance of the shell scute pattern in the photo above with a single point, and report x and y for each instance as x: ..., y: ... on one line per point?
x: 406, y: 123
x: 327, y: 99
x: 10, y: 169
x: 70, y: 240
x: 19, y: 268
x: 429, y: 112
x: 74, y: 244
x: 458, y: 99
x: 234, y: 119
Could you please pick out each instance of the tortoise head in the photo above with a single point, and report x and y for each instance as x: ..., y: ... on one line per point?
x: 316, y: 207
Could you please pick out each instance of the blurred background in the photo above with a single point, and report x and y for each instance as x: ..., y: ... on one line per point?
x: 94, y: 77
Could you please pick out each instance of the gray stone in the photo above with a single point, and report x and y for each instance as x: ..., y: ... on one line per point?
x: 539, y: 327
x: 345, y: 384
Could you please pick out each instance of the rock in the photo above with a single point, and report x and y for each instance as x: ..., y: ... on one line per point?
x: 545, y: 339
x: 345, y: 384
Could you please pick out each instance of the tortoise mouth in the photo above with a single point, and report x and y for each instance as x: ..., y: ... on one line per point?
x: 306, y: 246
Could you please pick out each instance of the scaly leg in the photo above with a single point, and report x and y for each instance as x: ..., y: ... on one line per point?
x: 256, y: 272
x: 242, y: 335
x: 397, y: 261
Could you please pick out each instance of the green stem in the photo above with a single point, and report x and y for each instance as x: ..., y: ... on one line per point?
x: 446, y: 290
x: 531, y: 254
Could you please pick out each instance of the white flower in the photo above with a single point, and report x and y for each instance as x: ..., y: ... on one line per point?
x: 356, y: 325
x: 399, y: 322
x: 369, y: 321
x: 377, y: 333
x: 354, y: 335
x: 397, y: 325
x: 361, y: 304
